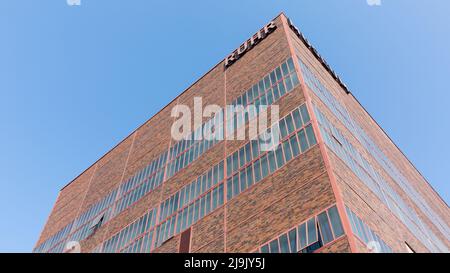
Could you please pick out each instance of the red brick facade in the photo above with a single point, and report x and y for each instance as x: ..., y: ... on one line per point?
x: 307, y: 185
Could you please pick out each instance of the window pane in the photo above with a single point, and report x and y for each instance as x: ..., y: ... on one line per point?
x: 276, y: 92
x: 295, y: 81
x: 278, y: 73
x: 264, y: 167
x: 302, y: 138
x: 229, y: 189
x: 281, y: 88
x: 290, y: 124
x: 279, y: 156
x: 272, y: 163
x: 325, y: 230
x: 335, y: 221
x: 291, y: 65
x: 255, y: 148
x: 248, y: 157
x: 297, y: 119
x: 310, y: 134
x: 221, y: 194
x: 249, y: 175
x: 303, y: 242
x: 284, y: 67
x: 235, y: 185
x: 265, y: 249
x: 257, y: 171
x: 294, y: 145
x: 241, y: 157
x: 283, y: 129
x: 305, y: 114
x: 312, y: 231
x: 235, y: 161
x: 243, y: 181
x: 274, y: 246
x: 288, y: 82
x: 287, y: 151
x: 284, y: 246
x: 293, y: 240
x: 229, y: 167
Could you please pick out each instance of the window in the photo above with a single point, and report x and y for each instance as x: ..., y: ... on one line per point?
x: 294, y: 144
x: 293, y: 240
x: 284, y: 245
x: 274, y: 246
x: 287, y: 150
x: 335, y: 221
x: 325, y: 230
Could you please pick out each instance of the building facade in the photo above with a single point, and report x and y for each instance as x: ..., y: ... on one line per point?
x: 335, y: 183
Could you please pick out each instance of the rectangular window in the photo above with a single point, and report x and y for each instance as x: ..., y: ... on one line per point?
x: 325, y: 230
x: 208, y: 203
x: 276, y: 92
x: 310, y: 134
x: 243, y: 181
x: 305, y: 114
x: 335, y: 221
x: 249, y: 175
x: 248, y: 156
x: 312, y: 231
x: 284, y: 245
x: 291, y: 65
x: 302, y: 237
x: 279, y: 156
x: 283, y: 129
x: 221, y: 201
x: 284, y: 68
x: 241, y: 157
x: 235, y: 161
x: 272, y: 164
x: 257, y: 171
x: 302, y: 138
x: 229, y: 166
x: 282, y: 88
x: 265, y: 249
x: 264, y: 166
x: 293, y: 240
x: 287, y: 151
x: 235, y: 185
x: 294, y: 145
x: 290, y: 124
x: 288, y: 83
x: 274, y: 246
x: 255, y: 148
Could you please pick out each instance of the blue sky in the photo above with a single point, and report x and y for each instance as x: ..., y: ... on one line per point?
x: 74, y: 81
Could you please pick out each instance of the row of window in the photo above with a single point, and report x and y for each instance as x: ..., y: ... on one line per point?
x: 293, y: 121
x: 192, y: 204
x: 127, y: 235
x: 309, y: 235
x: 189, y: 215
x: 138, y: 192
x: 189, y: 156
x: 271, y: 80
x: 375, y: 182
x: 281, y: 80
x: 192, y: 191
x: 196, y: 136
x: 274, y: 85
x: 340, y: 112
x: 366, y: 234
x: 271, y: 161
x: 154, y: 171
x: 132, y: 189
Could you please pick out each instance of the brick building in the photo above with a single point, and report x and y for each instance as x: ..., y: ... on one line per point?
x: 336, y: 183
